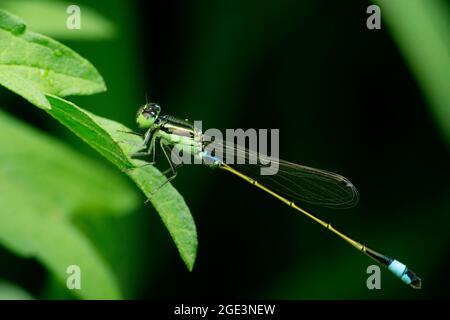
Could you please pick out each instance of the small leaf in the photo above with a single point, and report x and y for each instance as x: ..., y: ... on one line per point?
x: 37, y: 61
x: 43, y: 184
x: 111, y: 140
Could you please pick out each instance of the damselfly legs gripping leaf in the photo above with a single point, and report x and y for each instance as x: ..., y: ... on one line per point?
x: 293, y: 184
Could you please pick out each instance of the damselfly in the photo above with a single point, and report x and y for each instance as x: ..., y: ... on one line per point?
x: 293, y: 184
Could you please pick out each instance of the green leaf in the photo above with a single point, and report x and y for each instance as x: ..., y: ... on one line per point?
x: 30, y: 62
x: 50, y: 17
x: 111, y: 140
x: 43, y: 185
x: 23, y: 87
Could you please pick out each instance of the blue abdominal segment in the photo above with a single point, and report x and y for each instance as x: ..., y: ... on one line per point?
x: 400, y: 270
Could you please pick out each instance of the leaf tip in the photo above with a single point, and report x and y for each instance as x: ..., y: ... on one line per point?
x: 11, y: 23
x: 189, y: 258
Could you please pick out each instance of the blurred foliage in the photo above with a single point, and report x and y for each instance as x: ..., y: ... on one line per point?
x: 43, y: 185
x: 9, y: 291
x: 47, y: 17
x: 422, y: 32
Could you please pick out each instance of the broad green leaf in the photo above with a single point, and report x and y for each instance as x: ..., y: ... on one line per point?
x: 111, y: 140
x: 50, y: 18
x: 9, y: 291
x: 30, y: 62
x: 43, y: 184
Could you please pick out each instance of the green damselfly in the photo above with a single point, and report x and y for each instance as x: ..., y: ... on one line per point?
x: 292, y: 184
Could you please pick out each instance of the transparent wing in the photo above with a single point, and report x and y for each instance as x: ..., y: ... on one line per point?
x: 295, y: 182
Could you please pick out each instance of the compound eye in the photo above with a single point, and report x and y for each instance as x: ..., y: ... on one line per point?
x: 147, y: 114
x: 156, y: 108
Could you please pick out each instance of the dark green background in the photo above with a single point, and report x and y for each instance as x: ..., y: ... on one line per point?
x: 343, y: 99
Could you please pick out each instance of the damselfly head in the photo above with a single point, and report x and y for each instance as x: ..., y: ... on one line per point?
x: 147, y: 115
